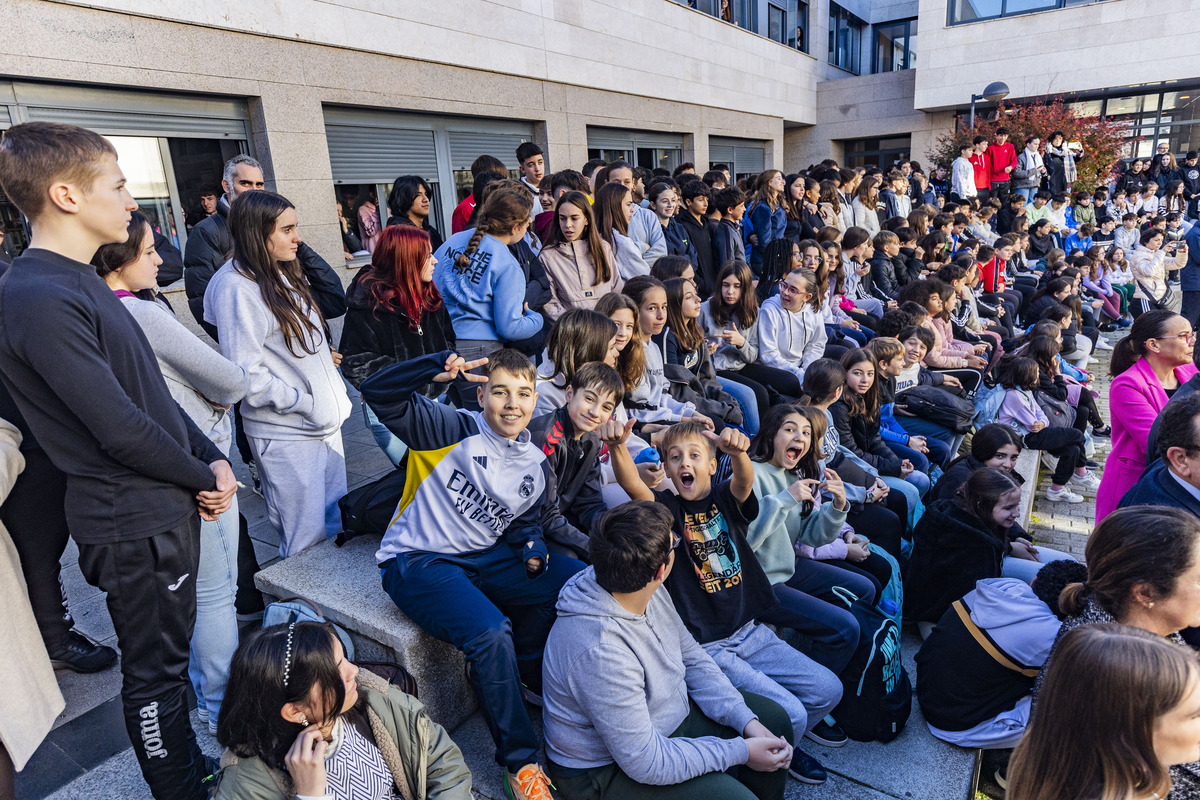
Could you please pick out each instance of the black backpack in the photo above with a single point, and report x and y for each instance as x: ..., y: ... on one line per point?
x: 369, y: 508
x: 876, y: 691
x: 938, y: 406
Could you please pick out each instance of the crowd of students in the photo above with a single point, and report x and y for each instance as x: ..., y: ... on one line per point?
x: 662, y: 438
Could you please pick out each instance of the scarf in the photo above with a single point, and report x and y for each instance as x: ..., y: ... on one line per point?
x: 1068, y: 161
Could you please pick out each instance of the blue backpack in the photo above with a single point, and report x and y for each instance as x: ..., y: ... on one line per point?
x: 987, y: 404
x: 297, y: 609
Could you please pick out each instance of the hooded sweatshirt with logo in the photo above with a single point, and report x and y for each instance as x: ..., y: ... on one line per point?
x: 616, y: 684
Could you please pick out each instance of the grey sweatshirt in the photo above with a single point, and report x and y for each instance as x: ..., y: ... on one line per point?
x: 616, y: 685
x: 291, y: 396
x: 727, y: 356
x: 198, y: 377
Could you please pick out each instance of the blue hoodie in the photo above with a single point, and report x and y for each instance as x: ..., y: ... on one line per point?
x: 485, y: 301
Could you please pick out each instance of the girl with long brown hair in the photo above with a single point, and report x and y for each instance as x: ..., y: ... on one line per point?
x: 766, y: 213
x: 614, y: 211
x: 579, y: 263
x: 261, y: 303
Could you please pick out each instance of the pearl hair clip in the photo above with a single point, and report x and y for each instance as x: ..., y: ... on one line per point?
x: 287, y: 658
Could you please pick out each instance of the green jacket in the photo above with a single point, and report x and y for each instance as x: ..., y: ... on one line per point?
x: 780, y: 524
x: 425, y: 763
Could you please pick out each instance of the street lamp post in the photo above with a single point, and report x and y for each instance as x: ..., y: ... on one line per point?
x: 994, y: 92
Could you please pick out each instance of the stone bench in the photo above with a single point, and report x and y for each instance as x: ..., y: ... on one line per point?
x: 344, y: 583
x: 1028, y: 465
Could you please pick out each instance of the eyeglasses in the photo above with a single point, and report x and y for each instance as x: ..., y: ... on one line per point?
x: 1186, y: 335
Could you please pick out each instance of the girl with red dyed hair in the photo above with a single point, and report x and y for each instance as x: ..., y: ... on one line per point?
x: 394, y: 313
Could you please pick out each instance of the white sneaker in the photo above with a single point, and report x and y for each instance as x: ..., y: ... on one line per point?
x: 1049, y: 462
x: 1088, y: 483
x: 1102, y: 344
x: 1093, y: 360
x: 1063, y: 495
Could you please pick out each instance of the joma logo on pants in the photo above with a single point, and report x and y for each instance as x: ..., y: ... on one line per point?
x: 151, y: 735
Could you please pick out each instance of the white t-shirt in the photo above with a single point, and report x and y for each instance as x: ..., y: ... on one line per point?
x: 908, y: 378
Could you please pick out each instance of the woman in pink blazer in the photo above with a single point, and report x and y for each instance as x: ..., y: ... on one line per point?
x: 1154, y: 359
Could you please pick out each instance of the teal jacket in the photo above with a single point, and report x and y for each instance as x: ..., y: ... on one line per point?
x: 780, y: 523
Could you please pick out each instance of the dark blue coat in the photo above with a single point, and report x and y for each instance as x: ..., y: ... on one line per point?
x: 1190, y: 275
x: 1158, y: 488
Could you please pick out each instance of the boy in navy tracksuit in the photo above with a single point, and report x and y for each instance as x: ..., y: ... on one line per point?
x: 465, y: 552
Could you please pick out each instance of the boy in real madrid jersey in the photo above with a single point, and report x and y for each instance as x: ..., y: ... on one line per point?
x: 465, y: 553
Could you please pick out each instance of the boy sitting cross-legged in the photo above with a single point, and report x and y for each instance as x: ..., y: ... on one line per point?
x: 635, y: 708
x: 465, y: 552
x: 726, y: 589
x: 568, y: 439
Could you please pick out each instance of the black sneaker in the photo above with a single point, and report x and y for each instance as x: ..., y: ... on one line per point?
x: 1104, y: 431
x: 827, y: 732
x: 1087, y: 462
x: 80, y: 654
x: 806, y: 769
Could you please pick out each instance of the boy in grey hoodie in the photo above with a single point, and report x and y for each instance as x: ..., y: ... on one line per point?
x: 632, y: 702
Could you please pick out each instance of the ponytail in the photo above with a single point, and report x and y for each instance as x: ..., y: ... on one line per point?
x: 508, y: 206
x: 1073, y: 599
x: 1150, y: 325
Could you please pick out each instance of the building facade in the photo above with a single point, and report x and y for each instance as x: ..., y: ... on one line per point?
x: 338, y: 97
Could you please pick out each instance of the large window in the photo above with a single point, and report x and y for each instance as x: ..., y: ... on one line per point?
x: 785, y: 21
x: 845, y: 39
x: 975, y: 10
x: 895, y: 46
x: 882, y: 153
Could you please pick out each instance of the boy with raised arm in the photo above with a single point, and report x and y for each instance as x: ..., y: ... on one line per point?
x: 465, y: 556
x: 726, y: 589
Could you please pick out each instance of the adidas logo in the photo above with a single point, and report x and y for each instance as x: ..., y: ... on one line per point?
x: 481, y: 461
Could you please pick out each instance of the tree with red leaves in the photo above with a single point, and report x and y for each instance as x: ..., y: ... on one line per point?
x: 1102, y: 140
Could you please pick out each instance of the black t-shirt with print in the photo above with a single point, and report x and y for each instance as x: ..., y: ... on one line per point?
x: 720, y: 586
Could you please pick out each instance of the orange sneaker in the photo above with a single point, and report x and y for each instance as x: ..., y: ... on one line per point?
x: 530, y: 783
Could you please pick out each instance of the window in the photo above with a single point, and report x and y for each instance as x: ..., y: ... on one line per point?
x: 895, y: 46
x: 800, y: 38
x: 882, y: 153
x: 845, y: 39
x: 775, y: 23
x: 975, y: 10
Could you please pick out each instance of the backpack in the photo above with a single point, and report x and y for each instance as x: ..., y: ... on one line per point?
x: 369, y: 508
x: 876, y: 692
x: 987, y: 404
x: 297, y: 609
x: 938, y: 406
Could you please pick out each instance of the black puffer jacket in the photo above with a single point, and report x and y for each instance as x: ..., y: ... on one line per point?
x: 374, y: 338
x: 573, y: 500
x: 863, y: 439
x: 886, y: 272
x: 952, y: 549
x: 210, y: 245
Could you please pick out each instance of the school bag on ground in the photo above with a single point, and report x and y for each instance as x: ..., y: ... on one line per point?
x: 297, y: 609
x: 876, y: 692
x: 938, y: 406
x: 369, y: 508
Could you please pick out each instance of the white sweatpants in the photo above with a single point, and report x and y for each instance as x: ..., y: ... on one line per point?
x: 302, y: 481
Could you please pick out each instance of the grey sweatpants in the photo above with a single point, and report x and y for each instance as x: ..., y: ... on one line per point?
x: 756, y: 660
x: 302, y: 481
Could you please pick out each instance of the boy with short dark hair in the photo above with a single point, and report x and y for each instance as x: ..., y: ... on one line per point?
x: 726, y: 589
x: 465, y: 551
x: 635, y: 708
x: 532, y: 165
x: 918, y: 340
x: 727, y: 241
x: 138, y: 469
x: 693, y: 216
x: 568, y: 439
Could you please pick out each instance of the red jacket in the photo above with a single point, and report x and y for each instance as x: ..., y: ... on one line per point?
x: 462, y: 214
x: 1001, y: 156
x: 983, y: 169
x: 991, y: 275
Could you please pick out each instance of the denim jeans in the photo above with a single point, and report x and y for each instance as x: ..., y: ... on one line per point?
x: 1028, y: 193
x: 1025, y: 570
x: 746, y: 399
x: 215, y: 636
x: 391, y: 446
